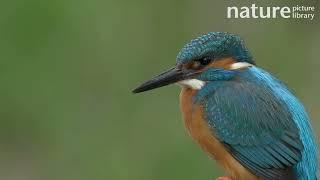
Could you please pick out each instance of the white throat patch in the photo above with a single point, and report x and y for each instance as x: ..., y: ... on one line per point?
x: 192, y: 83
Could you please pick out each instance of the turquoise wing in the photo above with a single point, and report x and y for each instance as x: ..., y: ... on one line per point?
x: 255, y: 126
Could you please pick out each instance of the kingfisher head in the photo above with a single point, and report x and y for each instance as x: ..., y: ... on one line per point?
x: 217, y: 52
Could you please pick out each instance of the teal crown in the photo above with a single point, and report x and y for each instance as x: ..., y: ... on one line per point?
x: 215, y: 45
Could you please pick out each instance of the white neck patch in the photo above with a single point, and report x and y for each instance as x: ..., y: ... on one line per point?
x: 240, y: 65
x: 192, y: 83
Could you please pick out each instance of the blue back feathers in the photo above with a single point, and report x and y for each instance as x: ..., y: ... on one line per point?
x: 215, y: 45
x: 307, y: 168
x: 261, y: 123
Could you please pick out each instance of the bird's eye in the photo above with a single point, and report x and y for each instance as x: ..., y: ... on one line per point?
x: 205, y: 61
x: 198, y: 64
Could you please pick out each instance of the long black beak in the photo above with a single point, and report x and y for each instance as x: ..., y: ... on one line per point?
x: 168, y: 77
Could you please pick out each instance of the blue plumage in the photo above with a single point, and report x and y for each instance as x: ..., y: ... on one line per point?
x: 307, y: 168
x: 262, y: 124
x: 254, y: 121
x: 215, y: 45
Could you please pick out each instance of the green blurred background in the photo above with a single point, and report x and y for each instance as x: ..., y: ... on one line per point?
x: 68, y: 67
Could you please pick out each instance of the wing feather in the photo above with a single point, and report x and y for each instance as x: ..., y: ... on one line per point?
x: 255, y: 126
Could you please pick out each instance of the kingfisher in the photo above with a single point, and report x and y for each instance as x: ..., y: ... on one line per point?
x: 242, y: 116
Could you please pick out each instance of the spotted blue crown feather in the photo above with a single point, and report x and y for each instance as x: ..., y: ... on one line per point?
x: 215, y: 45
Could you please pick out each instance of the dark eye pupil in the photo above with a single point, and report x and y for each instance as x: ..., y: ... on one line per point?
x: 205, y: 61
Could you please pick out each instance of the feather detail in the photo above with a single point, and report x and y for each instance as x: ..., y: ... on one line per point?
x: 201, y: 133
x: 254, y: 125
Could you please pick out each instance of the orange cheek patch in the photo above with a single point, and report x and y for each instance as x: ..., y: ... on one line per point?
x: 222, y: 63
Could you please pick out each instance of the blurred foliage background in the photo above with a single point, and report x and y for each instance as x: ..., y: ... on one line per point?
x: 67, y: 69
